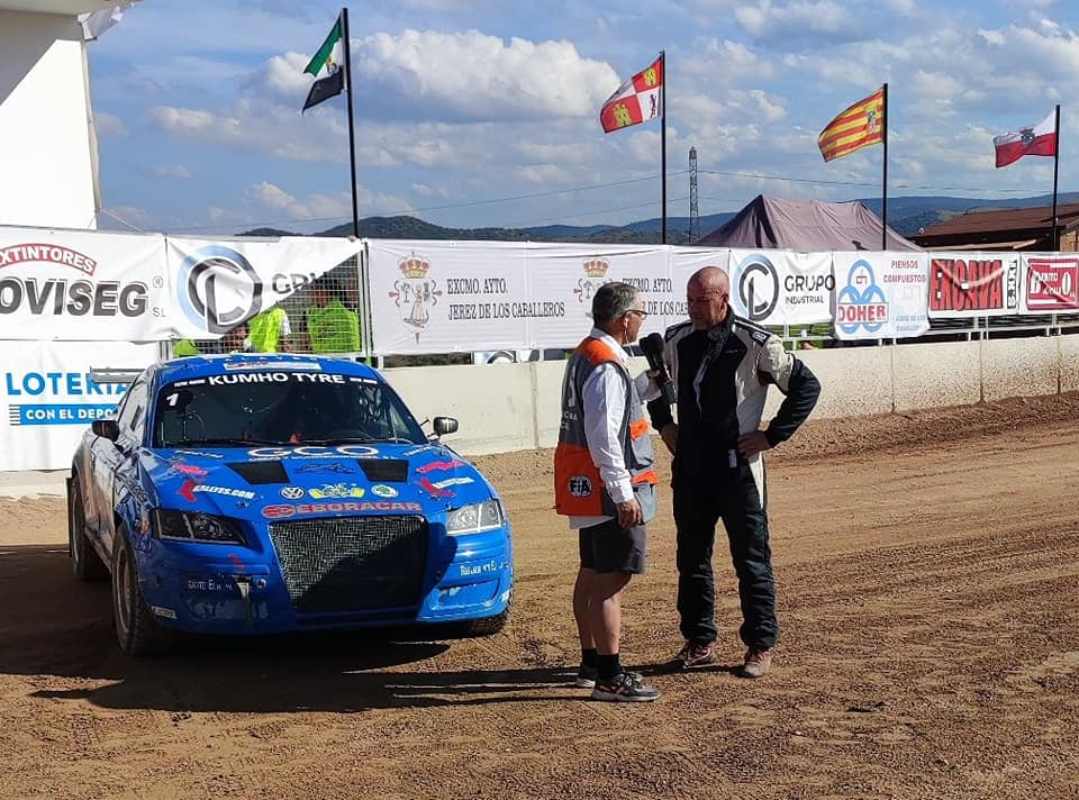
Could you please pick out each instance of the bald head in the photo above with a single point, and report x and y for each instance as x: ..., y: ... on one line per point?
x: 707, y: 295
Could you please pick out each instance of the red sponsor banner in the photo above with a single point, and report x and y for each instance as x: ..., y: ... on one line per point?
x: 973, y: 285
x: 1052, y: 284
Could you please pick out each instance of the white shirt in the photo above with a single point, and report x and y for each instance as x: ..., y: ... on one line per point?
x: 603, y: 398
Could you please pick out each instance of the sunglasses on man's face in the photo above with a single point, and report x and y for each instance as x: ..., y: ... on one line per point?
x: 639, y: 311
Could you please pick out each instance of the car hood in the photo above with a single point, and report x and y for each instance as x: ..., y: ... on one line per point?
x: 280, y: 482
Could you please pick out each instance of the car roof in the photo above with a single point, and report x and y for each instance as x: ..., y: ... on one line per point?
x: 200, y: 366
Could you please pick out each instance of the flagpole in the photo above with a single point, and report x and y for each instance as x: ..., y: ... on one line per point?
x: 351, y: 131
x: 884, y: 179
x: 663, y: 139
x: 1056, y: 173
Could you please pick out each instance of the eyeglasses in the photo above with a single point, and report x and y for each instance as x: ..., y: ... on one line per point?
x: 640, y: 311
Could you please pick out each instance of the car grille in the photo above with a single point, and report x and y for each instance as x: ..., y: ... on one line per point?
x: 352, y: 564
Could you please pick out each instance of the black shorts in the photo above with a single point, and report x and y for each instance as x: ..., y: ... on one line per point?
x: 608, y: 547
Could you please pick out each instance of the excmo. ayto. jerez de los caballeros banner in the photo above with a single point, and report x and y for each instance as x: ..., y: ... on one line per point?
x: 82, y: 285
x: 219, y: 283
x: 880, y: 295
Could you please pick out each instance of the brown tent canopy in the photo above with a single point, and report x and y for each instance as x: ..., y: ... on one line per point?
x: 805, y: 226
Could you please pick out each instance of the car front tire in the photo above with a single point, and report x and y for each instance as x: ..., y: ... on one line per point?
x: 136, y: 629
x: 86, y: 564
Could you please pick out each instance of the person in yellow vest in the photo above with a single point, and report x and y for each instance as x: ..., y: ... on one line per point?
x: 331, y: 326
x: 605, y: 484
x: 184, y: 348
x: 269, y: 331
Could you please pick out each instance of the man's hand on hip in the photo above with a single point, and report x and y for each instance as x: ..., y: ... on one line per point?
x: 669, y: 435
x: 750, y: 444
x: 630, y: 514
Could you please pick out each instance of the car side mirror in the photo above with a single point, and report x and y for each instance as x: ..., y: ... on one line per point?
x: 106, y: 428
x: 444, y: 425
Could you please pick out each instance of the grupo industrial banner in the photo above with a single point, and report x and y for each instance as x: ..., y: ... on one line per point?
x: 965, y: 284
x: 82, y: 285
x: 218, y: 283
x: 880, y: 295
x: 779, y: 287
x: 49, y: 398
x: 1052, y: 283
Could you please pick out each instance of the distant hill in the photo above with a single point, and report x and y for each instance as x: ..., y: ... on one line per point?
x: 907, y: 215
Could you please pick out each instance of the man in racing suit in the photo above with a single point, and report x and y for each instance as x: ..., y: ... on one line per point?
x: 721, y: 366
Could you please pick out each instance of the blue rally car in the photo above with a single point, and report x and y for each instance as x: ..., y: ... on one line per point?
x: 261, y: 494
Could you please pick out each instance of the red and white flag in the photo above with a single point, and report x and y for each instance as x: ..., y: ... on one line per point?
x: 637, y: 100
x: 1038, y: 140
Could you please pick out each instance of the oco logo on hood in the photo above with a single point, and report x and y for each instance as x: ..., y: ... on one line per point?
x: 218, y: 288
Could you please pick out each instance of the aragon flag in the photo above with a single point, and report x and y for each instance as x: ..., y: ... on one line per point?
x: 857, y: 126
x: 334, y: 82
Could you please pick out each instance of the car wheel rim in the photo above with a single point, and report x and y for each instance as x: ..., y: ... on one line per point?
x: 122, y: 582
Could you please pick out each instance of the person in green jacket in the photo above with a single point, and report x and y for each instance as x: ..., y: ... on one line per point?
x: 331, y: 327
x: 269, y: 331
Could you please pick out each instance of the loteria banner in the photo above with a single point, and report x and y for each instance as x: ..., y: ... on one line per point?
x: 218, y: 283
x: 973, y: 284
x: 1052, y: 283
x: 445, y: 297
x: 50, y: 399
x: 780, y: 287
x: 82, y: 285
x: 567, y: 276
x: 881, y: 295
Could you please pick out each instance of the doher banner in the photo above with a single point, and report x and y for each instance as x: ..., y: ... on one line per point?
x: 881, y: 295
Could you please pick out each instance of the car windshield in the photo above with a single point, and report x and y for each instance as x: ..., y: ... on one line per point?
x: 281, y: 408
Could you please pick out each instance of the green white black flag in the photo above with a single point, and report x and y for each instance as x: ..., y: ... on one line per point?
x: 334, y: 82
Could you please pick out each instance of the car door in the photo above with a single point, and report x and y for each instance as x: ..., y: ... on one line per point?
x: 114, y: 462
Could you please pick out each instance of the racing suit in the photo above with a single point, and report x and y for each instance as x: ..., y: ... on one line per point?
x: 721, y: 377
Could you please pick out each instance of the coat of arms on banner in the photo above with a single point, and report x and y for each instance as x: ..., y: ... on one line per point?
x: 595, y: 275
x: 415, y: 293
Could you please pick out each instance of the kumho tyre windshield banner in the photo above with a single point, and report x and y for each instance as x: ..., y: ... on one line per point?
x: 780, y: 287
x: 881, y: 295
x: 219, y: 283
x: 82, y: 285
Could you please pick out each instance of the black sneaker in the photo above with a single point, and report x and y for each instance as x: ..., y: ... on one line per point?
x: 586, y: 677
x: 625, y: 687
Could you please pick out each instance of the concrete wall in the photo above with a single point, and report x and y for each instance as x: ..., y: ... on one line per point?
x: 45, y: 120
x: 506, y: 407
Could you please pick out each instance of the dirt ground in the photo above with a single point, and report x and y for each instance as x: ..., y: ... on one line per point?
x: 929, y: 596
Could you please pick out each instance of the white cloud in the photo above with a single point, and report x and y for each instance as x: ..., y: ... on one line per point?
x: 424, y: 190
x: 546, y: 174
x: 770, y: 21
x: 171, y: 171
x: 109, y: 124
x: 473, y: 76
x: 320, y: 206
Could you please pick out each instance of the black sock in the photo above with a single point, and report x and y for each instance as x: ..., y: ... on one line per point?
x: 608, y: 666
x: 588, y: 657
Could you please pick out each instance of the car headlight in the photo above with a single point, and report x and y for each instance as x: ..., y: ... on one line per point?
x: 193, y: 527
x: 475, y: 518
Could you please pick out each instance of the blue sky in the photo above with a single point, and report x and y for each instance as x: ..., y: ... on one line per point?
x: 459, y: 101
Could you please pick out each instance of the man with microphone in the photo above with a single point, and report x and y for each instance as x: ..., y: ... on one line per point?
x: 720, y: 366
x: 605, y: 484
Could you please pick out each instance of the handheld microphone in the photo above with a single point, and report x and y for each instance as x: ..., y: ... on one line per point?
x: 652, y: 347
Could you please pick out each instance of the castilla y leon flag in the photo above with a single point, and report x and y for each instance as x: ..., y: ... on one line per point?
x: 858, y: 126
x: 1037, y: 140
x: 637, y: 100
x: 334, y: 82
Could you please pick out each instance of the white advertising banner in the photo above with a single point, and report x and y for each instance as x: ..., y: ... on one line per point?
x: 1052, y: 283
x: 566, y: 276
x: 963, y: 284
x: 780, y: 287
x: 218, y: 283
x: 82, y: 285
x: 444, y: 297
x: 881, y: 295
x: 49, y: 399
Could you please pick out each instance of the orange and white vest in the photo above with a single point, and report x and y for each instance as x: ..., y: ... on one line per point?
x: 579, y: 488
